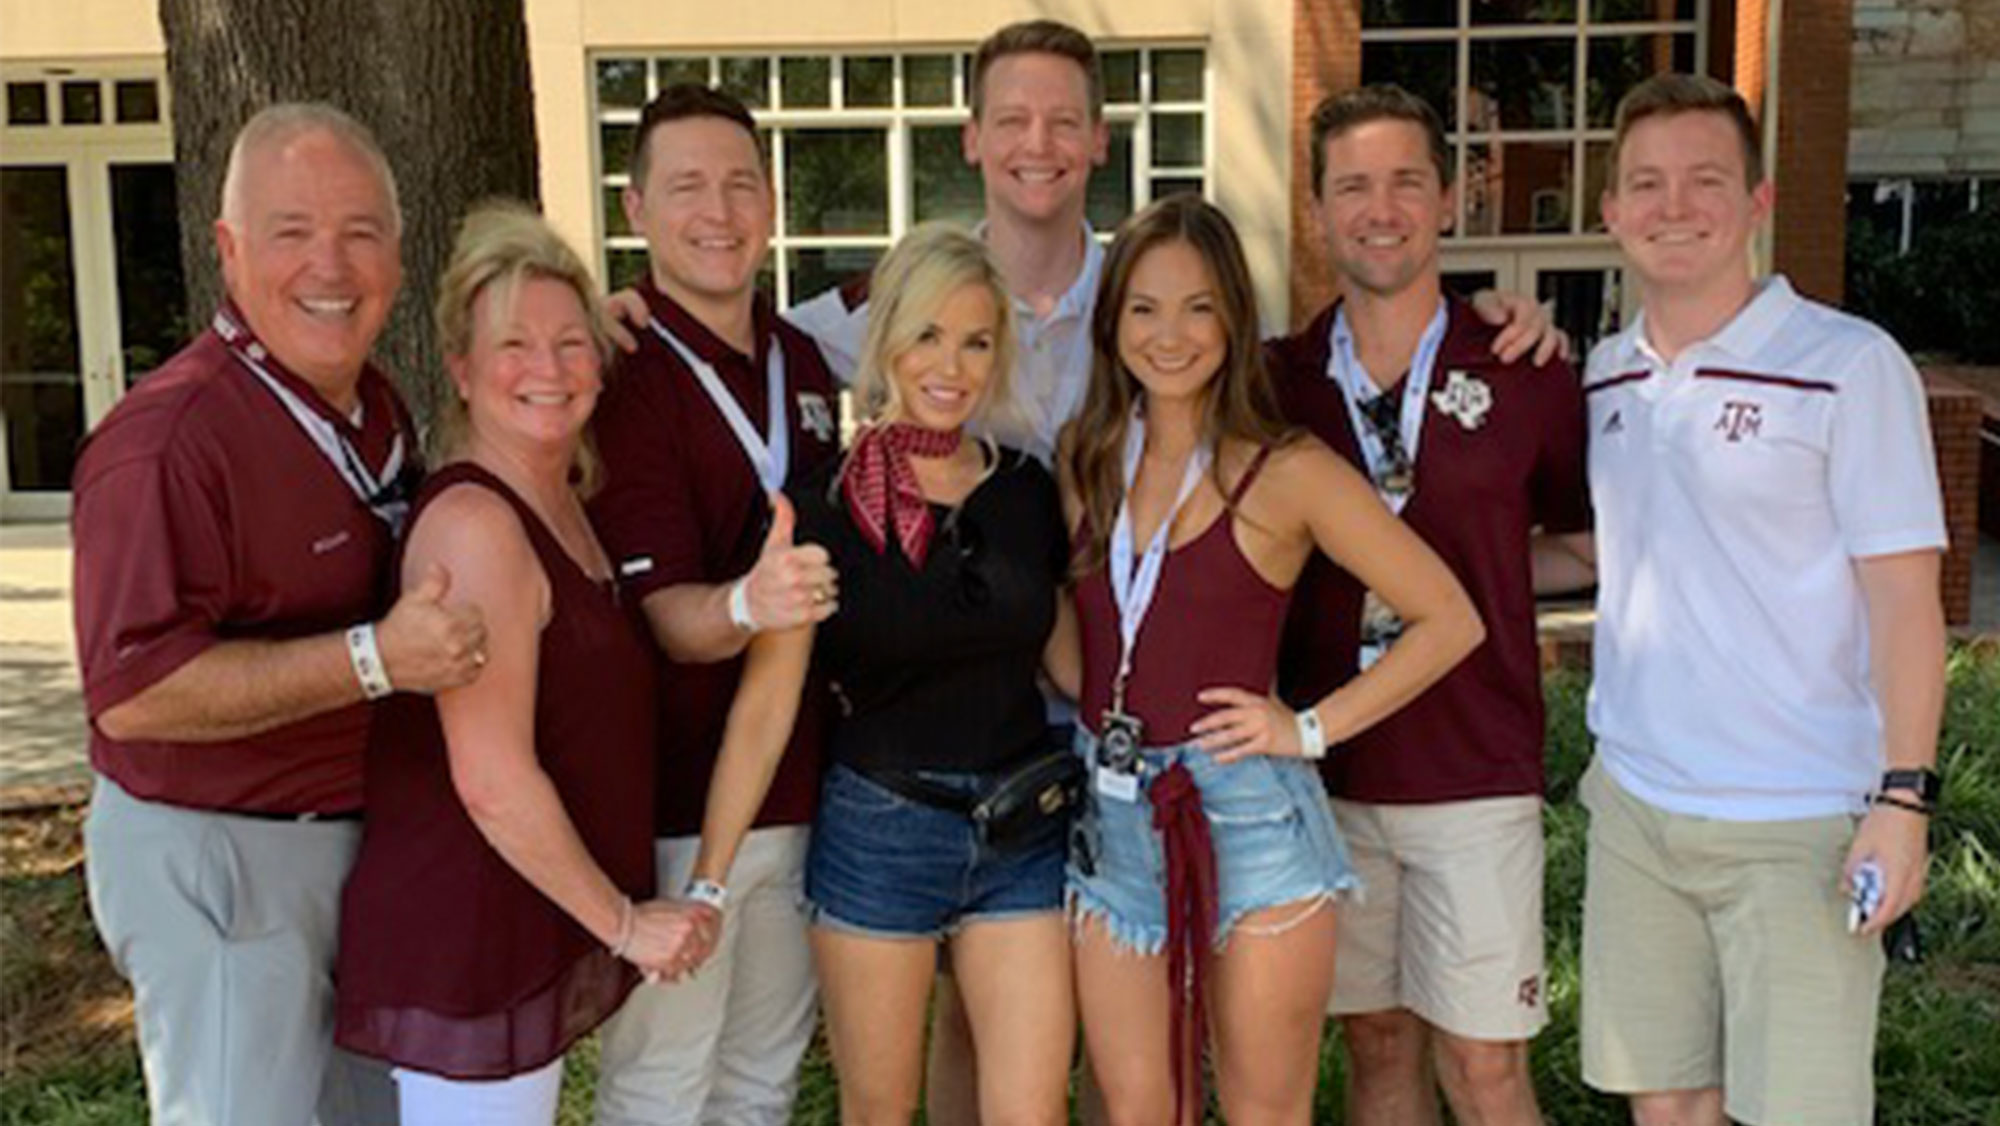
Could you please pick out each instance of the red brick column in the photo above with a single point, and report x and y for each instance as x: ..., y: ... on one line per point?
x: 1814, y: 61
x: 1956, y: 414
x: 1326, y: 58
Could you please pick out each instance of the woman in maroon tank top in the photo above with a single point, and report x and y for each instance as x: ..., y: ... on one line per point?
x: 490, y: 919
x: 1194, y: 512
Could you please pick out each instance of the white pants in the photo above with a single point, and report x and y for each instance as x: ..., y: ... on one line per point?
x: 722, y: 1046
x: 226, y: 927
x: 528, y: 1099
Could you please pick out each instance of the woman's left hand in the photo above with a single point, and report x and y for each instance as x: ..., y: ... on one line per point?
x: 1244, y: 723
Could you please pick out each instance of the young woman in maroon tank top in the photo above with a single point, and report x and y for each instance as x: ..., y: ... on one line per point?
x: 490, y: 919
x: 1217, y: 830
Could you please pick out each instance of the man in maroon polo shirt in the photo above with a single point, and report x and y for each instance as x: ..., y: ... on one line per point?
x: 234, y: 519
x: 720, y: 406
x: 1441, y: 802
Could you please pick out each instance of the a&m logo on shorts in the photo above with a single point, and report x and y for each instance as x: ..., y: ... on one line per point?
x: 1740, y: 420
x: 815, y: 415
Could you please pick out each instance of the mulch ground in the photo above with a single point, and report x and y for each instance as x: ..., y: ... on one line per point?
x: 59, y: 997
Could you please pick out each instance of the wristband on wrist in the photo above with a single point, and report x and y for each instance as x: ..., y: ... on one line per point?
x: 366, y: 657
x: 627, y: 925
x: 739, y: 606
x: 707, y: 891
x: 1312, y: 737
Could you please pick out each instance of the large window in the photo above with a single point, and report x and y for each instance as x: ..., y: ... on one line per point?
x: 865, y: 144
x: 1527, y: 90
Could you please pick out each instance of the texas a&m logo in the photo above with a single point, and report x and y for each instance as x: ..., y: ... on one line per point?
x: 1740, y: 420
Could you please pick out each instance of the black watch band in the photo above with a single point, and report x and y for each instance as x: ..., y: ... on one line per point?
x: 1921, y: 781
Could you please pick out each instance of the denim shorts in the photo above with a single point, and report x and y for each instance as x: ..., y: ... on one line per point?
x: 886, y: 865
x: 1274, y: 837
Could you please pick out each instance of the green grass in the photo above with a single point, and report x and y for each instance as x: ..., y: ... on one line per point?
x: 1937, y: 1059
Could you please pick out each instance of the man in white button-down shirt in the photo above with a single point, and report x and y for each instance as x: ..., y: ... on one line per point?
x: 1769, y: 640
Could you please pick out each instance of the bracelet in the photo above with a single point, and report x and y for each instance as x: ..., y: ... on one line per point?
x: 1312, y: 737
x: 366, y: 657
x: 627, y: 926
x: 708, y: 892
x: 1902, y: 803
x: 739, y: 606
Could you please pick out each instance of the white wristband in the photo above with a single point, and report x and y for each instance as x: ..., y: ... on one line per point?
x: 1312, y: 737
x: 708, y: 892
x: 627, y: 928
x: 366, y: 658
x: 739, y: 606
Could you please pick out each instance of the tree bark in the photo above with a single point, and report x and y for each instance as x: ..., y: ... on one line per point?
x: 444, y: 84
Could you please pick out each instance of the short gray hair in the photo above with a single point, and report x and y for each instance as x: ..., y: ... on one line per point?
x: 279, y: 123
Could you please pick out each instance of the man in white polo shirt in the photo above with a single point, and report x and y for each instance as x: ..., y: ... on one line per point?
x: 1769, y: 651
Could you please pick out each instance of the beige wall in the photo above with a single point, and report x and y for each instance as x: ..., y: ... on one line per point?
x: 1926, y: 95
x: 78, y: 30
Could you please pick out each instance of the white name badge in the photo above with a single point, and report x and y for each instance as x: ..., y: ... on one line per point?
x: 1116, y: 784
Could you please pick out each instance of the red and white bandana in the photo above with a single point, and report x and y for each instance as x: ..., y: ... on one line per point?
x: 881, y: 488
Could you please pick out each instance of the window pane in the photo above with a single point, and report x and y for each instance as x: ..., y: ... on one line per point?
x: 1465, y: 283
x: 1428, y: 70
x: 675, y: 72
x: 748, y: 79
x: 1176, y: 140
x: 1596, y: 163
x: 944, y: 185
x: 1177, y: 76
x: 1523, y: 190
x: 41, y: 380
x: 869, y: 81
x: 814, y: 270
x: 146, y: 229
x: 1522, y: 84
x: 27, y: 103
x: 82, y: 103
x: 1409, y: 13
x: 623, y: 269
x: 138, y: 102
x: 927, y: 80
x: 837, y: 181
x: 1111, y: 186
x: 806, y: 82
x: 1636, y: 11
x: 1585, y: 302
x: 614, y: 213
x: 615, y: 144
x: 621, y: 82
x: 1165, y: 186
x: 1523, y: 11
x: 1121, y: 76
x: 1618, y: 63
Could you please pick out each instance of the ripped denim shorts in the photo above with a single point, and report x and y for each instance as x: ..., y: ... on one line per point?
x: 1274, y: 837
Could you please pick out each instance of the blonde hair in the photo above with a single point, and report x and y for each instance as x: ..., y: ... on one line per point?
x: 932, y: 262
x: 500, y: 244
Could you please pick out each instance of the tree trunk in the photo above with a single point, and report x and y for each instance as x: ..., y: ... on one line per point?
x: 443, y: 83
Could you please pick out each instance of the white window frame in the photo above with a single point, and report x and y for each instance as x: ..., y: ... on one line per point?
x: 898, y: 119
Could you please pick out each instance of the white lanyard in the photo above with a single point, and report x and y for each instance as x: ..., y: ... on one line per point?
x: 373, y: 490
x: 1346, y: 369
x: 769, y: 456
x: 1134, y: 582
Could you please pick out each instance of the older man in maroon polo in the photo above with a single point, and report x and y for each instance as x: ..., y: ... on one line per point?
x: 234, y: 521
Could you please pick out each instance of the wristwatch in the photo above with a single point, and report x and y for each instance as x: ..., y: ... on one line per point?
x: 1921, y: 781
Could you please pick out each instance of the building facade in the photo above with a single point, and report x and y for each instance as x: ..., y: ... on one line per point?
x: 862, y: 100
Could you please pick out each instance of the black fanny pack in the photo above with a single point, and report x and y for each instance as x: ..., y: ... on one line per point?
x: 1025, y: 805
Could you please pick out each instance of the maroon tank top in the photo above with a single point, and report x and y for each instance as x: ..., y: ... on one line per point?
x: 1214, y: 622
x: 450, y: 961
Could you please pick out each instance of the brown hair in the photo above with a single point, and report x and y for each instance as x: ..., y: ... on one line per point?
x: 1665, y: 95
x: 678, y: 103
x: 1238, y: 403
x: 1037, y: 37
x: 500, y: 244
x: 1383, y: 101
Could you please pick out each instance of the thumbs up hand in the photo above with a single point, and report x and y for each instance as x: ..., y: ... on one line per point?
x: 428, y: 646
x: 791, y: 584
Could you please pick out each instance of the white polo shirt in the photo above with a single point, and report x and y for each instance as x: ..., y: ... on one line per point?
x: 1734, y: 488
x: 1052, y: 353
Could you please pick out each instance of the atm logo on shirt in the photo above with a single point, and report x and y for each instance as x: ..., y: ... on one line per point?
x: 1740, y: 419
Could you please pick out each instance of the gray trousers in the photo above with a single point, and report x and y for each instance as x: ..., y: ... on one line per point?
x: 226, y: 927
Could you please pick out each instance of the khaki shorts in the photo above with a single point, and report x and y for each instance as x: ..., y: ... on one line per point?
x: 1451, y: 926
x: 1716, y: 953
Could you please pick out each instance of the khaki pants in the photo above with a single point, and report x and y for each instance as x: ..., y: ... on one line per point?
x: 1716, y: 953
x: 226, y: 928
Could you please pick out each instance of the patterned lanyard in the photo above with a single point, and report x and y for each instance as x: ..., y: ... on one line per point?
x: 1345, y: 367
x: 385, y: 494
x: 770, y: 453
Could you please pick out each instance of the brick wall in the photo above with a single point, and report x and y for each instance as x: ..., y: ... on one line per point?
x: 1326, y: 57
x: 1810, y: 237
x: 1956, y: 416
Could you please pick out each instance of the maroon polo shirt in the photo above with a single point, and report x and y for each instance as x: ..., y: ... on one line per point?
x: 681, y: 504
x: 203, y: 513
x: 1480, y: 492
